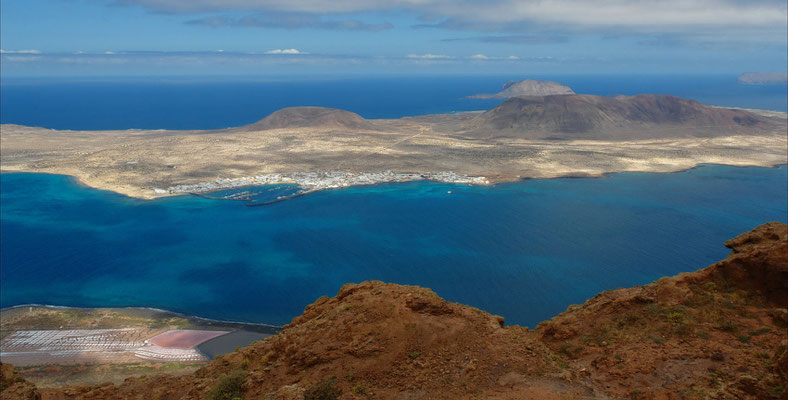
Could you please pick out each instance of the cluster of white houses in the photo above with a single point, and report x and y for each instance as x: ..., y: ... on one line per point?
x: 312, y: 181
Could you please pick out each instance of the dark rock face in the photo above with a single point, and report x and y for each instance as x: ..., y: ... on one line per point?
x: 312, y: 117
x: 759, y: 262
x: 623, y: 117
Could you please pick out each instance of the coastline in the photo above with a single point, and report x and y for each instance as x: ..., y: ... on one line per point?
x: 35, y: 335
x: 159, y: 312
x: 450, y: 148
x: 731, y: 309
x: 198, y: 322
x: 30, y: 192
x: 210, y: 187
x: 310, y: 182
x: 314, y: 182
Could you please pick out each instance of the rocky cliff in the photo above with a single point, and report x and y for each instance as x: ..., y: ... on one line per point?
x: 716, y: 333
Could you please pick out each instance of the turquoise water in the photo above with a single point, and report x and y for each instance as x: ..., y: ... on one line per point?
x: 523, y: 250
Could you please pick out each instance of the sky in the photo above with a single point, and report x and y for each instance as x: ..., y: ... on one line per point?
x: 42, y: 38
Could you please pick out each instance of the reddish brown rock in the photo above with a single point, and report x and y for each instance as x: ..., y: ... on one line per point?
x: 13, y: 386
x: 714, y: 333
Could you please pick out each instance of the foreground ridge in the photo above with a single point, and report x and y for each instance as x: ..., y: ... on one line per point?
x: 719, y: 333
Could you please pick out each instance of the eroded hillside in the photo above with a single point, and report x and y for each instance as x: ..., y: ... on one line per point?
x: 716, y: 333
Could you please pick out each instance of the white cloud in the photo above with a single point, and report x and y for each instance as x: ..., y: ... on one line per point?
x: 289, y: 20
x: 428, y: 56
x: 486, y: 57
x: 635, y: 14
x: 306, y: 6
x: 285, y: 51
x: 19, y: 51
x: 666, y: 13
x: 23, y: 58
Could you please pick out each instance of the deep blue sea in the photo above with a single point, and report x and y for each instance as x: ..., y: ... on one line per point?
x: 523, y: 250
x: 209, y: 103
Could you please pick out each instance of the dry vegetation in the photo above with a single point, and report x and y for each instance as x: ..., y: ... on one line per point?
x: 136, y: 162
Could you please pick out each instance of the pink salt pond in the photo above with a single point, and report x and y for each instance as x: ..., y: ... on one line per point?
x: 183, y: 338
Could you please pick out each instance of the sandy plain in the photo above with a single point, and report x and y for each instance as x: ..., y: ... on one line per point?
x: 145, y: 163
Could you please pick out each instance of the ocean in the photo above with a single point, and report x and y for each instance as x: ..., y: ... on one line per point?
x: 212, y: 103
x: 523, y: 250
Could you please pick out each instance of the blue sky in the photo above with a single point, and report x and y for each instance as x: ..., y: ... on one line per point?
x: 292, y: 37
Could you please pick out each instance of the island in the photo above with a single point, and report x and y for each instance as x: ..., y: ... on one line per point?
x: 317, y: 148
x: 763, y: 78
x: 527, y: 87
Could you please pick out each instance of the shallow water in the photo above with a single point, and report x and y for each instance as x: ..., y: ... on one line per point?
x: 523, y: 250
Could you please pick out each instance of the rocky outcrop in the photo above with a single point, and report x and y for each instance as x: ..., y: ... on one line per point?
x: 620, y: 118
x: 683, y: 332
x: 716, y: 333
x: 13, y: 386
x: 312, y: 117
x: 757, y: 263
x: 528, y: 87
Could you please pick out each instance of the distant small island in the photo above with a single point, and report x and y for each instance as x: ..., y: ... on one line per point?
x: 763, y: 78
x: 528, y: 87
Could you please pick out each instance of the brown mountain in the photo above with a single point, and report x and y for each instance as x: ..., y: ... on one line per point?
x: 617, y: 118
x: 312, y: 117
x: 716, y: 333
x: 528, y: 87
